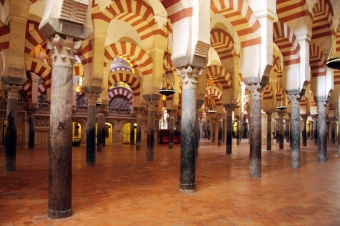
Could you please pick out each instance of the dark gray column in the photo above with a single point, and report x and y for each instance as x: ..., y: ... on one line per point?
x: 31, y: 122
x: 151, y: 101
x: 171, y: 128
x: 238, y: 137
x: 288, y: 127
x: 132, y: 132
x: 311, y: 129
x: 229, y: 108
x: 220, y: 129
x: 304, y: 129
x: 255, y: 129
x: 224, y: 134
x: 199, y: 104
x: 269, y: 130
x: 213, y: 128
x: 315, y: 131
x: 295, y: 130
x: 281, y: 137
x: 332, y: 121
x: 277, y: 130
x: 188, y: 128
x: 322, y: 131
x: 139, y: 128
x: 100, y: 130
x: 91, y: 128
x: 60, y: 148
x: 204, y: 128
x: 11, y: 127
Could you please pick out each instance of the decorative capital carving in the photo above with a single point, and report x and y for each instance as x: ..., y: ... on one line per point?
x: 304, y: 117
x: 13, y: 91
x: 92, y: 98
x: 255, y: 91
x: 294, y: 100
x: 189, y: 76
x: 151, y: 104
x: 321, y: 105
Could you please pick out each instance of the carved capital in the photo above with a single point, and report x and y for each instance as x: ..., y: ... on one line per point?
x: 294, y: 100
x: 13, y: 91
x: 189, y: 76
x: 304, y: 117
x: 63, y: 50
x: 255, y: 91
x: 92, y: 98
x: 151, y: 104
x: 321, y: 105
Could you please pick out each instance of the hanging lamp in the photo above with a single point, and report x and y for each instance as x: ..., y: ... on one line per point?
x: 334, y: 62
x: 167, y: 86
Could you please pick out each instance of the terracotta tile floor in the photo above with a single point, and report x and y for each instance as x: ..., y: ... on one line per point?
x: 124, y: 189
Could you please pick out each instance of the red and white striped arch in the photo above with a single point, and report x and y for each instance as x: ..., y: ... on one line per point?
x: 208, y: 103
x: 120, y: 91
x: 128, y: 77
x: 33, y: 36
x: 287, y: 42
x: 78, y: 69
x: 322, y: 20
x: 337, y: 43
x: 317, y: 61
x: 215, y: 93
x: 337, y: 77
x: 288, y: 10
x: 4, y: 36
x: 85, y: 53
x: 276, y: 66
x: 176, y: 10
x: 40, y: 68
x: 140, y: 57
x: 27, y: 87
x: 223, y: 43
x: 268, y: 92
x: 219, y: 75
x: 279, y: 93
x: 241, y: 17
x: 137, y: 13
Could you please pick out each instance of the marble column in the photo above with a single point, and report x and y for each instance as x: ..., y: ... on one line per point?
x: 311, y: 129
x: 304, y: 129
x: 277, y: 130
x: 132, y: 132
x: 255, y: 129
x: 11, y: 127
x: 332, y: 121
x: 91, y: 128
x: 288, y: 128
x: 100, y: 131
x: 188, y: 158
x: 204, y: 129
x: 171, y: 127
x: 229, y: 108
x: 199, y: 104
x: 322, y: 131
x: 139, y: 129
x: 281, y: 113
x: 213, y: 128
x: 269, y: 130
x: 224, y: 134
x: 151, y: 101
x: 295, y: 130
x: 220, y: 130
x: 209, y: 129
x: 315, y: 129
x: 60, y: 148
x: 31, y: 122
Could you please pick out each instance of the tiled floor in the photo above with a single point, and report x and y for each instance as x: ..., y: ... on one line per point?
x: 124, y: 189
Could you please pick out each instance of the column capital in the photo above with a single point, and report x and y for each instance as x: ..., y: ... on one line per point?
x: 13, y: 91
x: 321, y: 105
x: 255, y: 90
x: 189, y: 76
x: 304, y: 117
x: 281, y: 113
x: 92, y: 98
x: 269, y: 113
x: 294, y: 100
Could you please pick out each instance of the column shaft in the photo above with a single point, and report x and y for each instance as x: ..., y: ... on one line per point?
x: 151, y: 131
x: 322, y: 131
x: 171, y: 131
x: 304, y: 130
x: 269, y: 131
x: 91, y: 134
x: 139, y: 131
x: 229, y: 138
x: 100, y: 130
x: 220, y: 132
x: 132, y: 132
x: 295, y: 130
x: 31, y: 122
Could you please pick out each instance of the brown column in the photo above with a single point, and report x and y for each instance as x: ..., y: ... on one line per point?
x: 269, y: 130
x: 332, y: 121
x: 229, y: 108
x: 304, y: 129
x: 322, y: 131
x: 315, y: 129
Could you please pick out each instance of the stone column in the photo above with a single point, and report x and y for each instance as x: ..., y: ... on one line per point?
x: 332, y: 121
x: 204, y: 129
x: 281, y: 137
x: 171, y: 127
x: 322, y: 131
x: 209, y: 128
x: 269, y: 130
x: 199, y: 104
x: 31, y: 122
x: 213, y: 128
x: 315, y: 129
x: 91, y: 128
x: 255, y: 129
x: 132, y: 132
x: 139, y: 129
x: 220, y: 129
x: 277, y: 130
x: 11, y: 127
x: 188, y: 160
x: 224, y: 134
x: 100, y: 131
x: 295, y: 130
x: 229, y: 138
x: 288, y: 128
x: 151, y: 101
x: 60, y: 148
x: 238, y: 129
x: 304, y: 129
x: 311, y: 129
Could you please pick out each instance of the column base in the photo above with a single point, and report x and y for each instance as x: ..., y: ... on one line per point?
x: 322, y: 159
x: 187, y: 188
x: 59, y: 214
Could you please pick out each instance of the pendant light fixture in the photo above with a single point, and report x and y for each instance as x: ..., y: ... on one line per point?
x: 167, y: 86
x: 334, y: 62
